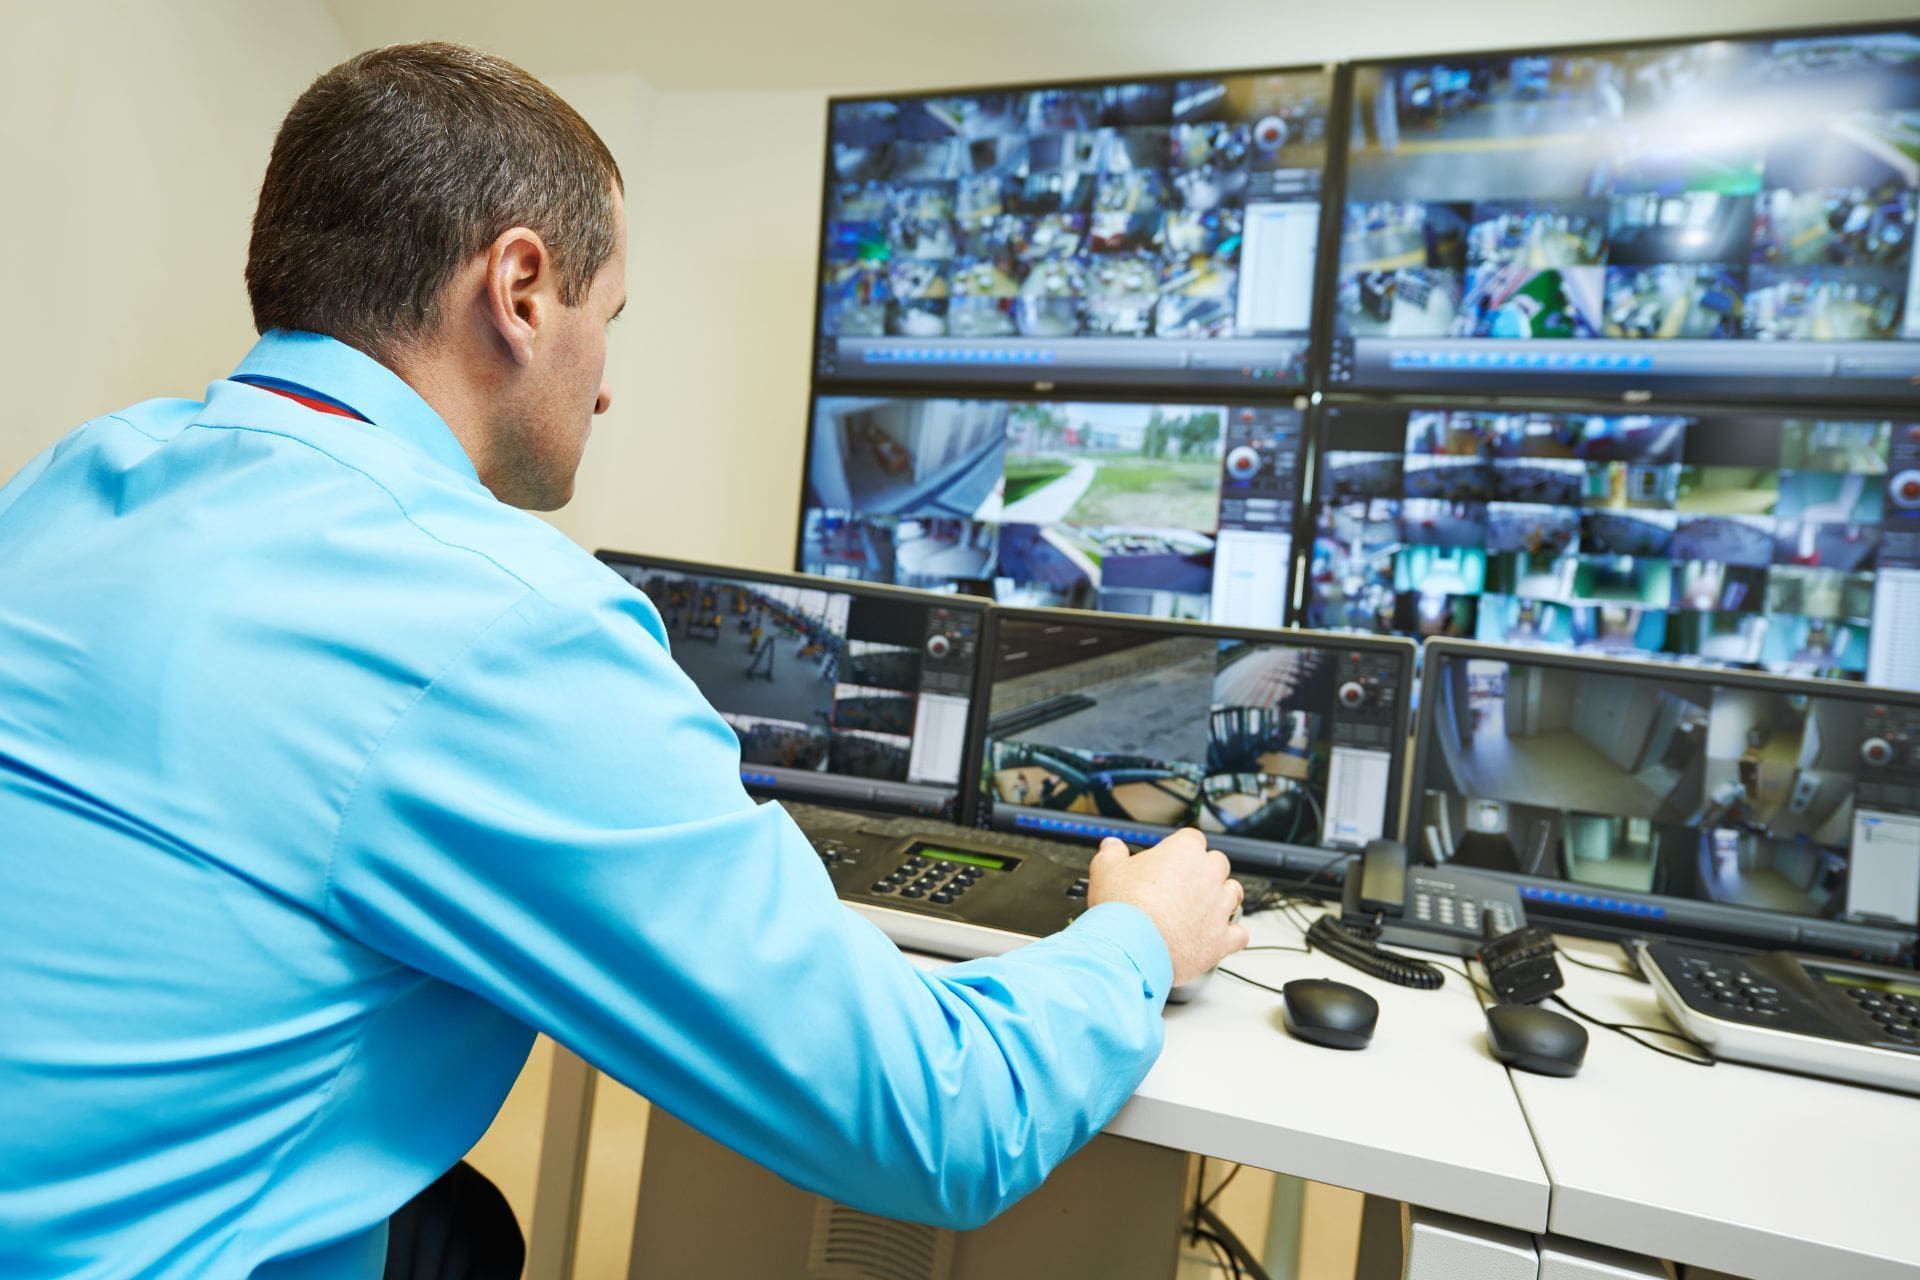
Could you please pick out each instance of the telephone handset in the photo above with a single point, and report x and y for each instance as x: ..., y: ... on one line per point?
x: 1443, y: 909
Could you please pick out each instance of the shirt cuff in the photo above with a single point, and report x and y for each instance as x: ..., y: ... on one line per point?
x: 1134, y: 932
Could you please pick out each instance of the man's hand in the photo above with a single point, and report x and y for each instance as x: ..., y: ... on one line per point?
x: 1184, y: 888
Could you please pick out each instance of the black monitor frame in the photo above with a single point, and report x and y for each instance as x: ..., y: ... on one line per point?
x: 1891, y: 390
x: 967, y: 786
x: 1150, y: 384
x: 1622, y: 913
x: 1307, y: 868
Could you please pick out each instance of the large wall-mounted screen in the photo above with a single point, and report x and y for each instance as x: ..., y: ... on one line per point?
x: 1722, y: 218
x: 1150, y: 233
x: 1173, y: 510
x: 1786, y: 543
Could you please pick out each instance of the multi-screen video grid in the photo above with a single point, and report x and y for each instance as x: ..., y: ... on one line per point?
x: 1100, y: 233
x: 1163, y: 510
x: 1637, y: 217
x: 1790, y: 544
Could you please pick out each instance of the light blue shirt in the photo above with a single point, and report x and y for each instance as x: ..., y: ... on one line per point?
x: 326, y: 779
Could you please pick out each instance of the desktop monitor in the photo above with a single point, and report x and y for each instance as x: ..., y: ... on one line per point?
x: 1182, y: 510
x: 1148, y: 232
x: 1630, y: 797
x: 1285, y: 747
x: 1730, y: 218
x: 841, y: 693
x: 1781, y: 542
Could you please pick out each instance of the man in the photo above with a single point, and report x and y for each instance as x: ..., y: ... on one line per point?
x: 326, y: 775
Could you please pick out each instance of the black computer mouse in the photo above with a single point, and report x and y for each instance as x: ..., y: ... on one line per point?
x: 1334, y: 1014
x: 1537, y: 1040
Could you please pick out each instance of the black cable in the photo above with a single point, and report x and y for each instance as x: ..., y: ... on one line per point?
x: 1252, y: 982
x: 1280, y: 894
x: 1215, y: 1193
x: 1242, y: 1255
x: 1274, y: 946
x: 1222, y: 1255
x: 1478, y: 985
x: 1294, y: 914
x: 1336, y: 940
x: 1626, y: 1029
x: 1565, y: 954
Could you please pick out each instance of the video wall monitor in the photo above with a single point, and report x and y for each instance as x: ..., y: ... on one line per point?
x: 1133, y: 232
x: 1180, y: 510
x: 1633, y: 797
x: 1284, y: 747
x: 855, y: 696
x: 1725, y: 218
x: 1788, y: 543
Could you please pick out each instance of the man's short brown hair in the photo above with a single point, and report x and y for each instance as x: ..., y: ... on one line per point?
x: 396, y: 167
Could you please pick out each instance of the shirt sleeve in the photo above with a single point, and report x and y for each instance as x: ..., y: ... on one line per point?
x: 557, y: 824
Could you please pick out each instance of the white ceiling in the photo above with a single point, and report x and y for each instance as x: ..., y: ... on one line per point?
x: 854, y: 45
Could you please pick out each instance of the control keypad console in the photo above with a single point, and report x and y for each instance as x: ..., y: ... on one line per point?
x: 1729, y: 989
x: 922, y: 873
x: 1839, y: 1018
x: 995, y: 880
x: 948, y: 889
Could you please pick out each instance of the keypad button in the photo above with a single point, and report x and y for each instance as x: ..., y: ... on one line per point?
x: 942, y: 897
x: 913, y: 891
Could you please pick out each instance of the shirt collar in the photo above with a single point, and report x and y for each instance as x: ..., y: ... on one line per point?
x: 317, y: 364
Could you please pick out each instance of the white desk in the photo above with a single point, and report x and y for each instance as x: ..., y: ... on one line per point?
x: 1744, y: 1171
x: 1423, y: 1114
x: 1757, y: 1173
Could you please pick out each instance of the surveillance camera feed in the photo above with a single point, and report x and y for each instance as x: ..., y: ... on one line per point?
x: 1725, y: 217
x: 1154, y: 232
x: 1130, y: 730
x: 1744, y: 539
x: 1636, y: 789
x: 1164, y: 510
x: 843, y: 697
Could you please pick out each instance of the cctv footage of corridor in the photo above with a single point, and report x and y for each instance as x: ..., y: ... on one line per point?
x: 1678, y: 786
x: 832, y: 695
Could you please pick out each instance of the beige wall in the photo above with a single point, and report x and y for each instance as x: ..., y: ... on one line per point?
x: 700, y: 455
x: 133, y: 137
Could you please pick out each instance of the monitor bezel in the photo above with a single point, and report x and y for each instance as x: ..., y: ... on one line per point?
x: 967, y: 786
x: 1785, y: 926
x: 1405, y: 651
x: 1331, y: 182
x: 1588, y: 389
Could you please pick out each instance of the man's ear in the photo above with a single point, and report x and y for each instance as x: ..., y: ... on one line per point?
x: 518, y: 285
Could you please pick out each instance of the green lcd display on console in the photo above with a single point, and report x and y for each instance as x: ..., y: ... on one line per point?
x: 990, y: 861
